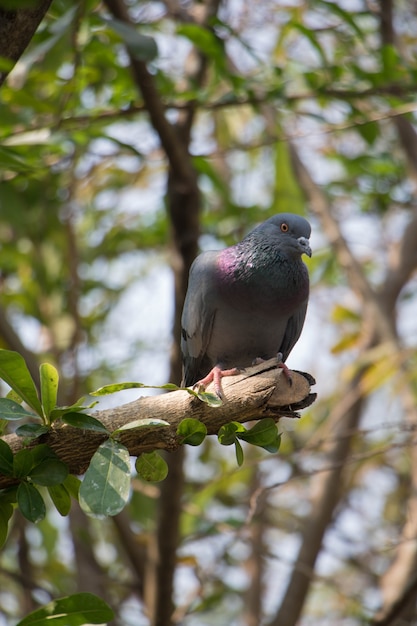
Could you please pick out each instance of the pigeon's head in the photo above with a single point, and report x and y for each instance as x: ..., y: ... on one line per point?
x: 290, y: 232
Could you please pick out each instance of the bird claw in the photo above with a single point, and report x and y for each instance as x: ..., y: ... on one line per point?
x: 285, y: 369
x: 215, y: 376
x: 258, y: 360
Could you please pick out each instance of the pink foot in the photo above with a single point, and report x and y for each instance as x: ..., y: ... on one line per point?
x: 287, y: 372
x: 215, y: 376
x: 281, y: 364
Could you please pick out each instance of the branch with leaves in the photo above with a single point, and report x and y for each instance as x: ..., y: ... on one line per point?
x: 57, y: 443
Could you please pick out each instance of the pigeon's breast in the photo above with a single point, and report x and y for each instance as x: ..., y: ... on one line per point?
x: 268, y: 289
x: 252, y: 310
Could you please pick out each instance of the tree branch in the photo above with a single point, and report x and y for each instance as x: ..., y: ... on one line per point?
x: 357, y: 278
x: 175, y: 150
x: 327, y: 490
x: 183, y: 206
x: 345, y: 418
x: 17, y: 29
x: 261, y: 391
x: 398, y: 583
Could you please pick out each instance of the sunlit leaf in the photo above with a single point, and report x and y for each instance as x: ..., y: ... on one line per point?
x: 145, y: 422
x: 14, y: 371
x: 114, y: 388
x: 79, y: 609
x: 288, y: 195
x: 49, y: 387
x: 346, y: 342
x: 106, y: 485
x: 343, y: 314
x: 212, y: 399
x: 151, y: 467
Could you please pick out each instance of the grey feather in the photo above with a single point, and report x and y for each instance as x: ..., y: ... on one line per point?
x: 248, y: 301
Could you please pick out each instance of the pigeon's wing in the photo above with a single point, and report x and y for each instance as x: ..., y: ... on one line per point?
x: 198, y: 317
x: 293, y: 330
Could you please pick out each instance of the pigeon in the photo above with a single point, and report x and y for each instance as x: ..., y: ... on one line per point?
x: 246, y: 303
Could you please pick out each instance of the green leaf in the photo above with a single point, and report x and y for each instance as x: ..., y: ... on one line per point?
x: 76, y: 610
x: 106, y: 485
x: 85, y: 422
x: 239, y: 453
x: 49, y: 472
x: 369, y: 132
x: 61, y: 498
x: 77, y: 407
x: 14, y: 372
x: 42, y: 451
x: 227, y: 434
x: 6, y: 459
x: 311, y: 36
x: 287, y: 193
x: 31, y: 430
x: 22, y: 463
x: 72, y: 484
x: 391, y: 62
x: 146, y: 422
x: 205, y: 40
x: 10, y: 410
x: 30, y: 502
x: 209, y: 398
x: 49, y: 387
x: 191, y: 431
x: 141, y: 47
x: 6, y: 511
x: 274, y: 446
x: 346, y: 16
x: 12, y: 395
x: 151, y: 467
x: 11, y: 160
x: 263, y: 434
x: 108, y: 389
x: 25, y: 460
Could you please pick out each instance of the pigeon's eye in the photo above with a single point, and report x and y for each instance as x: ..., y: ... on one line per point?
x: 284, y: 227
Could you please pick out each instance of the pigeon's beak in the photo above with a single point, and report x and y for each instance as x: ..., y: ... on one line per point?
x: 305, y: 246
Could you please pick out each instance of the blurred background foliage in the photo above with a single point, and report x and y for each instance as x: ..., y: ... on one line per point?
x: 86, y: 268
